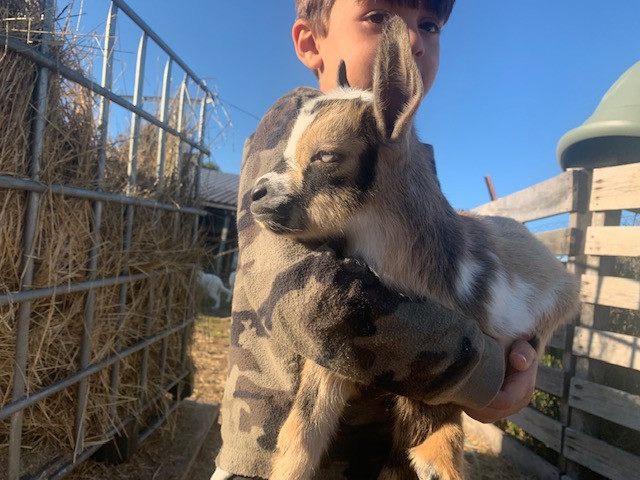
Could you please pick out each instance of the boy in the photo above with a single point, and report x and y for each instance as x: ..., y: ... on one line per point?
x: 293, y: 302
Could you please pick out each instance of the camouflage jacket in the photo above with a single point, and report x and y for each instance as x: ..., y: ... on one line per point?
x: 292, y: 302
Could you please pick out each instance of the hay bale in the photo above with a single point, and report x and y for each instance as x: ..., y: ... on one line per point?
x: 63, y: 237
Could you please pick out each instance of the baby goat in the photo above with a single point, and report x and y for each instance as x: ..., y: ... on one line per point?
x: 214, y: 287
x: 357, y: 172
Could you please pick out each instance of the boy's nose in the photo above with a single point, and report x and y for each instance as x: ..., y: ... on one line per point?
x: 415, y: 40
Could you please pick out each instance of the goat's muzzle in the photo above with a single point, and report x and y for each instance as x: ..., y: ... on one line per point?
x: 274, y: 208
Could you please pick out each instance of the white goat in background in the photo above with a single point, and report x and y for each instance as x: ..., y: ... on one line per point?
x: 214, y: 287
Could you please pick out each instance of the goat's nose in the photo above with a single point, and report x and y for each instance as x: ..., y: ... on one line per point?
x: 259, y: 191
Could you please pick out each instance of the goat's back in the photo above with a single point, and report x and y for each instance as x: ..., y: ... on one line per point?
x: 533, y: 292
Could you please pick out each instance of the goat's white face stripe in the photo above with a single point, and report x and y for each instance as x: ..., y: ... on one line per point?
x: 308, y: 114
x: 305, y: 118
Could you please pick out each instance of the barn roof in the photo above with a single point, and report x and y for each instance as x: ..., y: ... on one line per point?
x: 219, y: 189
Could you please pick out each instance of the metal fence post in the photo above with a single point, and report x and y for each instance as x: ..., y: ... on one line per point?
x: 20, y: 374
x: 186, y: 334
x: 168, y: 307
x: 162, y: 134
x: 129, y: 210
x: 94, y: 249
x: 182, y: 99
x: 223, y: 242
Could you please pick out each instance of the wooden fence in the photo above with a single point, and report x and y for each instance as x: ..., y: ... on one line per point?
x: 588, y: 422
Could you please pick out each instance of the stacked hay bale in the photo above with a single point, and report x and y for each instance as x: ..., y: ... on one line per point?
x: 63, y: 238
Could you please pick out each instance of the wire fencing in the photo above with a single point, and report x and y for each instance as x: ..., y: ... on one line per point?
x: 99, y: 239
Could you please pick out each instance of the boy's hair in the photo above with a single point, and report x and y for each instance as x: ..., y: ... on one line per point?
x: 317, y: 12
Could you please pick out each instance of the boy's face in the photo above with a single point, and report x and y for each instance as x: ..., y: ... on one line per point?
x: 354, y: 30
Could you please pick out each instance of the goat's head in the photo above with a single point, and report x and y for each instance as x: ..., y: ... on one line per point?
x: 336, y: 144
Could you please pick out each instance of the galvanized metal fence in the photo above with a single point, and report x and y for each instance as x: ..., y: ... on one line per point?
x: 21, y: 398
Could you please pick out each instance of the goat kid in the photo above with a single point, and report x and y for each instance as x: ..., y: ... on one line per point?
x: 214, y: 287
x: 357, y: 172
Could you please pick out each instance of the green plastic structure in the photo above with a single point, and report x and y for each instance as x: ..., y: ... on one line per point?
x: 611, y: 136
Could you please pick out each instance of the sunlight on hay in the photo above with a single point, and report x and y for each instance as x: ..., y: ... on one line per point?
x: 63, y: 237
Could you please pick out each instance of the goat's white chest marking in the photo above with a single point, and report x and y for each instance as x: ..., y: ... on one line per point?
x: 365, y: 240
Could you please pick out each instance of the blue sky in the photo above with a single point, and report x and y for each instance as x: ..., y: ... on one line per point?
x: 514, y: 76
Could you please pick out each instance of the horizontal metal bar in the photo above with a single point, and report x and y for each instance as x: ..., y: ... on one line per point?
x: 37, y: 293
x: 158, y: 98
x: 53, y: 64
x: 62, y: 468
x: 15, y: 183
x: 143, y: 25
x: 219, y: 206
x: 35, y: 397
x: 159, y: 421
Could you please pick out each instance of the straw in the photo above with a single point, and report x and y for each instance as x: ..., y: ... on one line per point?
x: 63, y: 238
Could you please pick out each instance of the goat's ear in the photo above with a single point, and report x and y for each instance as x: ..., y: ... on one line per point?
x: 342, y: 75
x: 397, y: 83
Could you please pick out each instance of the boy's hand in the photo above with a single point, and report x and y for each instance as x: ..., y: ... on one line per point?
x: 517, y: 388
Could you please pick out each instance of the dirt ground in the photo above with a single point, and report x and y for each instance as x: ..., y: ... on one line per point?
x: 209, y: 354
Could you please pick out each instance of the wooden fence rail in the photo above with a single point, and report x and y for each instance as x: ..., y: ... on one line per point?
x: 595, y: 431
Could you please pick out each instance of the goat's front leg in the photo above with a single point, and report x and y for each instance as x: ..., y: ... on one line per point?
x: 311, y: 424
x: 429, y: 440
x: 440, y: 456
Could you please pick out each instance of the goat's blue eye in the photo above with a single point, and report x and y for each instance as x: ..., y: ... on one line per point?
x: 326, y: 157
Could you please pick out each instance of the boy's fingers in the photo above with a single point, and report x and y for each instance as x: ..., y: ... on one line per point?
x: 506, y: 401
x: 514, y: 395
x: 518, y: 361
x: 500, y: 407
x: 522, y: 355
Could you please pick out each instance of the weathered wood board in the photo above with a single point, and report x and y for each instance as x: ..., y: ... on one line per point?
x: 197, y: 420
x: 613, y: 241
x: 614, y: 348
x: 545, y: 199
x: 541, y: 427
x: 551, y: 380
x: 600, y: 457
x: 559, y: 338
x: 561, y: 241
x: 609, y: 403
x: 616, y: 188
x: 610, y: 291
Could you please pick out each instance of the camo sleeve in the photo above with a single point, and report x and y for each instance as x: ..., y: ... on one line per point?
x: 336, y: 311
